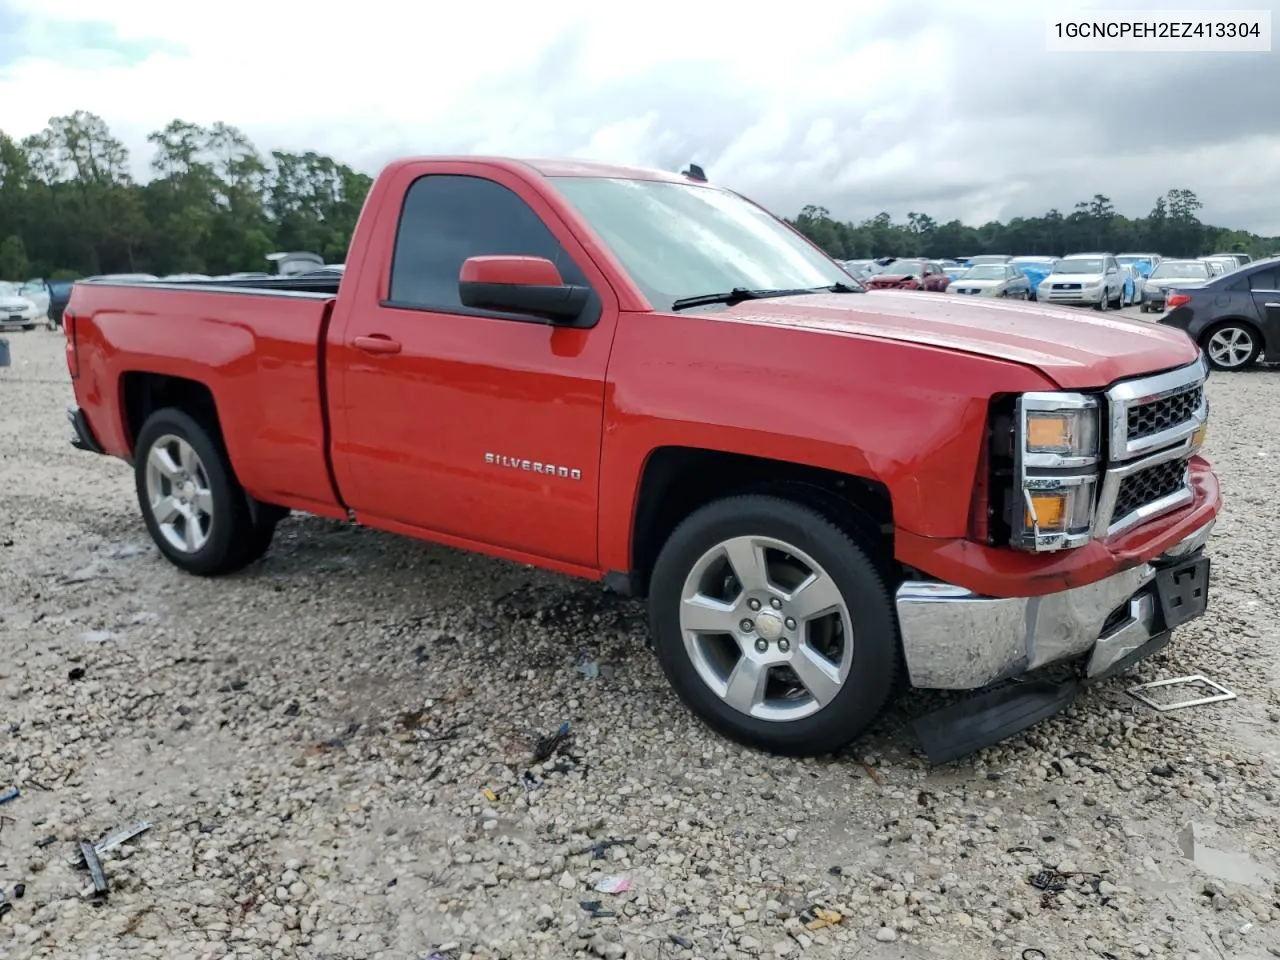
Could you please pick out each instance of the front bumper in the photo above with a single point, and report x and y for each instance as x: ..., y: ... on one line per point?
x: 1072, y: 297
x: 1153, y: 298
x: 954, y: 639
x: 17, y: 322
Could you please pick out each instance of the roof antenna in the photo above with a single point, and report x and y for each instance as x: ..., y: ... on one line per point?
x: 695, y: 172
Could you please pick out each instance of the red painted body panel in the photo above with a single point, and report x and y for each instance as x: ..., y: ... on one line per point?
x: 433, y: 440
x: 256, y: 354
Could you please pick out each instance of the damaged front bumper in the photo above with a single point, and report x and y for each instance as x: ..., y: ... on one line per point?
x: 953, y: 639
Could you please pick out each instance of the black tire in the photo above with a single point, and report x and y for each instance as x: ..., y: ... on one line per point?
x: 234, y: 540
x: 1241, y: 329
x: 1118, y: 303
x: 845, y: 558
x: 28, y: 326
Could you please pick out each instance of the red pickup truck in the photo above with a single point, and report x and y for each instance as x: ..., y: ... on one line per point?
x: 647, y: 380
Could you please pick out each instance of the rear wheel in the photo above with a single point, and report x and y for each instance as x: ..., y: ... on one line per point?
x: 1232, y: 346
x: 193, y: 506
x: 774, y: 625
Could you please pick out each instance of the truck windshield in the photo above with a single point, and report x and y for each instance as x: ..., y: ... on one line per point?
x: 680, y: 240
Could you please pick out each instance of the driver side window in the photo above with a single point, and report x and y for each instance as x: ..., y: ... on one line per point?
x: 447, y: 218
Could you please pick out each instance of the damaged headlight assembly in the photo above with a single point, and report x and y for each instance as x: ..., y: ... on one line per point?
x: 1057, y: 460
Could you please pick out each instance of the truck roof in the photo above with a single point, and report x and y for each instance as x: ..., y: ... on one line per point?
x: 551, y: 167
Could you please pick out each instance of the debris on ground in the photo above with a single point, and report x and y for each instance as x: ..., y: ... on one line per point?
x: 818, y: 917
x: 1197, y: 682
x: 120, y: 836
x: 596, y: 909
x: 552, y: 744
x: 90, y: 861
x: 613, y: 884
x: 8, y: 795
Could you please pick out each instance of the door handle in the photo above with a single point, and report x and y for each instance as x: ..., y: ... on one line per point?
x: 377, y: 343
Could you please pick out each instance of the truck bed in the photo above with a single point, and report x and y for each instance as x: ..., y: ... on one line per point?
x: 255, y: 344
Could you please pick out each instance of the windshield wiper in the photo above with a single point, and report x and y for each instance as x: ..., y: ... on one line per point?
x: 740, y: 294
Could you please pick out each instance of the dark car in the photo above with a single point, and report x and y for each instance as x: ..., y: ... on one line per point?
x: 1173, y: 275
x: 1235, y: 318
x: 59, y: 294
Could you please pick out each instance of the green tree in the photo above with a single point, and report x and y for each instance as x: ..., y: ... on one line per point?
x: 14, y: 264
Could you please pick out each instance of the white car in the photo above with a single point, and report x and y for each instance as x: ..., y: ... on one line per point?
x: 37, y: 291
x: 17, y: 311
x: 1084, y: 279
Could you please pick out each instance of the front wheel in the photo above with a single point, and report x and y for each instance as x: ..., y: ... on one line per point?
x: 774, y: 625
x: 192, y: 503
x: 1232, y: 346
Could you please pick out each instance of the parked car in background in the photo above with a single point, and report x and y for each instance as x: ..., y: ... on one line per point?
x: 1240, y: 258
x: 1180, y: 273
x: 1145, y: 262
x: 1134, y: 282
x: 185, y: 278
x: 1220, y: 265
x: 37, y: 291
x: 1234, y: 318
x: 859, y: 268
x: 957, y: 271
x: 1084, y: 279
x: 1002, y: 280
x: 989, y: 258
x: 1035, y: 269
x: 907, y: 274
x: 17, y: 311
x: 59, y: 294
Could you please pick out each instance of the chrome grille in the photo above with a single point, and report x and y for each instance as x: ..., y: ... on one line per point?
x: 1157, y: 416
x: 1150, y: 485
x: 1153, y: 422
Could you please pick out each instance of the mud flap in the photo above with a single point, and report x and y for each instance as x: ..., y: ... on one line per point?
x: 989, y: 717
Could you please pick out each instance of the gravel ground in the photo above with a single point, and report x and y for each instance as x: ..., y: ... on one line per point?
x: 336, y: 750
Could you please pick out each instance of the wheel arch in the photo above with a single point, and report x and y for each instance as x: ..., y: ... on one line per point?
x: 677, y: 480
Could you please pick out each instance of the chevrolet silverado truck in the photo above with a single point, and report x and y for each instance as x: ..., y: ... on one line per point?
x: 825, y: 493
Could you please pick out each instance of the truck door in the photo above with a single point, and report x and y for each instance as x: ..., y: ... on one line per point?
x: 463, y: 422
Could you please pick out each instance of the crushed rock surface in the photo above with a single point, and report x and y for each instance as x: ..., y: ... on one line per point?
x: 336, y: 749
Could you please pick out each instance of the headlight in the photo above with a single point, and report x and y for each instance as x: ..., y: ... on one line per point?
x: 1057, y: 455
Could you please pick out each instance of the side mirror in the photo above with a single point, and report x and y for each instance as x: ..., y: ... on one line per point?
x: 520, y: 285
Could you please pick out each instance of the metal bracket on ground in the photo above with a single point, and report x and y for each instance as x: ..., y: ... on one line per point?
x: 1222, y: 693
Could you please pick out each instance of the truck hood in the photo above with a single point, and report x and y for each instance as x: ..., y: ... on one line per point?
x: 1076, y: 350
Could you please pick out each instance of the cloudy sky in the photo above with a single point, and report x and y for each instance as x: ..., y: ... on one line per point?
x: 952, y: 109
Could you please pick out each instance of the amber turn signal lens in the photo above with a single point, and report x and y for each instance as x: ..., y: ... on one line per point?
x: 1048, y: 433
x: 1050, y: 511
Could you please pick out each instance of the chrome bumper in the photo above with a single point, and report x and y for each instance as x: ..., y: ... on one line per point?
x: 954, y: 639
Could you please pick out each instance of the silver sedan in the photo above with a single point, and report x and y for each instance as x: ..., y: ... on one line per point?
x: 993, y: 280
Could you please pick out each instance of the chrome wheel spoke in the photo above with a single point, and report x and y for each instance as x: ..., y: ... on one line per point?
x: 166, y: 510
x: 819, y: 675
x: 192, y: 537
x: 204, y: 502
x: 814, y: 597
x: 701, y: 614
x: 162, y: 460
x: 746, y: 557
x: 189, y: 460
x: 747, y: 684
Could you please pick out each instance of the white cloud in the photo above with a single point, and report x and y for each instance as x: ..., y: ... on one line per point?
x: 954, y: 110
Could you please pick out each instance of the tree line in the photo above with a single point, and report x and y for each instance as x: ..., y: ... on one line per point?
x: 1172, y: 228
x: 71, y: 207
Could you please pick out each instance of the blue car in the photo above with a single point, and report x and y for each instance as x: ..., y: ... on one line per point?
x: 1035, y: 269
